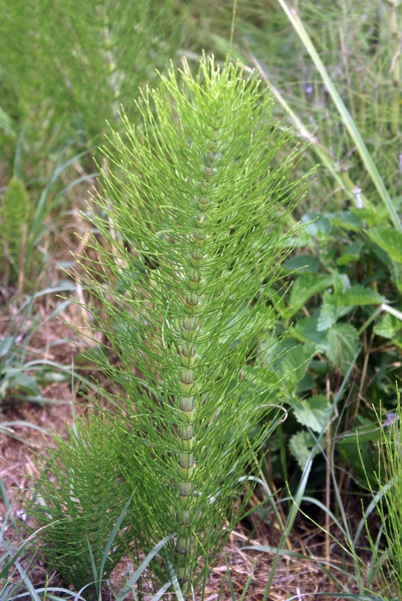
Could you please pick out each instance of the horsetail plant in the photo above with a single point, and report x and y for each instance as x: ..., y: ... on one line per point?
x: 14, y: 209
x: 192, y: 227
x: 80, y: 506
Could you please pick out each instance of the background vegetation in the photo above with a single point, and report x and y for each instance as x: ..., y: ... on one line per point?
x: 334, y: 70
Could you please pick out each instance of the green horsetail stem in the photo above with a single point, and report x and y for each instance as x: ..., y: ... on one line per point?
x: 186, y: 464
x: 204, y: 186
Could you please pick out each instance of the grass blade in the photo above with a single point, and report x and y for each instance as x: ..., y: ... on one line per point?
x: 161, y: 591
x: 24, y: 576
x: 138, y: 572
x: 344, y: 113
x: 174, y: 578
x: 113, y: 536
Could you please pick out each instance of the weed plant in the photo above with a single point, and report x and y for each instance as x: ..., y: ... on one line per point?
x: 14, y: 223
x: 194, y: 223
x: 79, y: 514
x: 26, y: 218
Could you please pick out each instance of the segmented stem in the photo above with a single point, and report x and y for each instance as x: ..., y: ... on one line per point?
x: 191, y: 323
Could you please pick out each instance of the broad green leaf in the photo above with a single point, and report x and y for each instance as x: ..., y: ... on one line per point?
x: 389, y: 240
x: 6, y: 345
x: 295, y: 362
x: 341, y: 282
x: 388, y: 326
x: 319, y: 367
x: 304, y: 288
x: 302, y: 264
x: 351, y: 254
x: 349, y: 446
x: 306, y: 330
x: 316, y: 224
x: 328, y: 312
x: 301, y: 445
x: 347, y: 220
x: 313, y: 412
x: 343, y: 343
x: 305, y: 384
x: 359, y: 295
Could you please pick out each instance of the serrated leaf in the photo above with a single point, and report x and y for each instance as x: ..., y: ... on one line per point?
x: 359, y: 295
x: 301, y: 445
x: 302, y: 264
x: 313, y: 412
x: 328, y: 312
x: 341, y: 282
x: 388, y: 326
x: 389, y: 240
x: 317, y: 224
x: 305, y: 384
x: 304, y: 288
x: 306, y: 331
x: 347, y: 220
x: 295, y: 362
x: 343, y: 343
x: 351, y: 254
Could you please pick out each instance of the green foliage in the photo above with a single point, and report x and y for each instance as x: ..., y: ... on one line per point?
x: 313, y: 412
x: 80, y: 497
x: 388, y: 240
x: 388, y: 327
x: 201, y: 195
x: 73, y: 64
x: 301, y: 264
x: 387, y: 496
x: 318, y: 59
x: 14, y: 216
x: 25, y: 220
x: 301, y: 445
x: 65, y: 69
